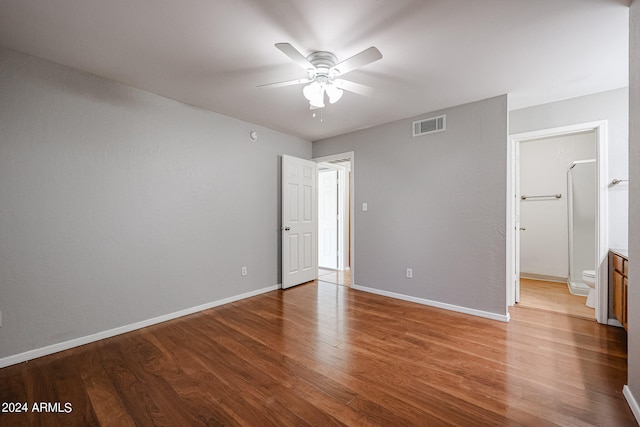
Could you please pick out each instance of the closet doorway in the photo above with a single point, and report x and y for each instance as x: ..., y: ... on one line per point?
x: 335, y: 191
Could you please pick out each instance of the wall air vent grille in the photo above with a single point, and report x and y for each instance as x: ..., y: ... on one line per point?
x: 431, y: 125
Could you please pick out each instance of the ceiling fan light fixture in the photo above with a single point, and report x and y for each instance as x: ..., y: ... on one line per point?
x: 314, y: 92
x: 323, y: 71
x: 334, y: 93
x: 317, y: 103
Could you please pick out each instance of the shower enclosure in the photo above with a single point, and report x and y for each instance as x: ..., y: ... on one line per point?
x: 581, y: 200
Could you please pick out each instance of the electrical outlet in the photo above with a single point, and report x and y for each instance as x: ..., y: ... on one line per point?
x: 244, y: 271
x: 365, y: 207
x: 409, y: 273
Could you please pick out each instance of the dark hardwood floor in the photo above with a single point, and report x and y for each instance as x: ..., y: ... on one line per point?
x: 323, y: 354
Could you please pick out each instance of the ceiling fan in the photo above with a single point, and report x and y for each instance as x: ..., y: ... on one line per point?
x: 323, y: 71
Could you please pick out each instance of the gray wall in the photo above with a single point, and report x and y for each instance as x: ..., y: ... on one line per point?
x: 118, y: 206
x: 634, y: 202
x: 612, y: 106
x: 436, y: 203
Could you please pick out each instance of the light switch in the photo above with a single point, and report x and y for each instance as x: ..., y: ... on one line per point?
x: 364, y: 207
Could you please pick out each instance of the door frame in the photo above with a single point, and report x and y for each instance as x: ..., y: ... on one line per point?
x: 602, y: 212
x: 343, y: 156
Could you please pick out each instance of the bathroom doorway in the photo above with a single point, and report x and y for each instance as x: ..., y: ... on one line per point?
x: 552, y: 233
x: 335, y: 219
x: 557, y: 222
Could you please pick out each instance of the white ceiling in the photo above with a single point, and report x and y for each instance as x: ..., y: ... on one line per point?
x: 437, y: 53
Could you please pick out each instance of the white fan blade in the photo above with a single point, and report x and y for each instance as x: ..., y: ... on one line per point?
x: 361, y: 59
x: 287, y: 83
x: 295, y: 56
x: 355, y: 87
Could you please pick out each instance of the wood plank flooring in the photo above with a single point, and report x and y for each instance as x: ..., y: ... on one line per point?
x: 323, y: 354
x: 339, y: 277
x: 553, y: 296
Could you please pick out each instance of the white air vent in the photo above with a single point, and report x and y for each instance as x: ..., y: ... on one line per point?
x: 432, y: 125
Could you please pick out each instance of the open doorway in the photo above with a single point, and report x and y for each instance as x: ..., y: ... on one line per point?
x: 558, y: 223
x: 335, y: 190
x: 540, y: 255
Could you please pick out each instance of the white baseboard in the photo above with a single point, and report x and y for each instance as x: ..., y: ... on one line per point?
x: 633, y: 403
x: 577, y: 288
x: 66, y: 345
x: 614, y: 322
x: 451, y: 307
x: 546, y: 278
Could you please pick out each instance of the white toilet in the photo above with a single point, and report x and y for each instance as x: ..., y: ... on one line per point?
x: 589, y: 277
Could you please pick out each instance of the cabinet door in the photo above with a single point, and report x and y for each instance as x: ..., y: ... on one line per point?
x: 618, y: 296
x: 625, y: 305
x: 618, y: 262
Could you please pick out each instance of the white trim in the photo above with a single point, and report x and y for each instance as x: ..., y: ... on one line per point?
x: 614, y: 322
x: 543, y: 277
x: 510, y: 236
x: 602, y: 235
x: 66, y: 345
x: 633, y: 403
x: 445, y: 306
x: 578, y: 288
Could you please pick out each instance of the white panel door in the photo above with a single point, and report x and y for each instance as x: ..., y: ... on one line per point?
x: 299, y: 221
x: 328, y: 218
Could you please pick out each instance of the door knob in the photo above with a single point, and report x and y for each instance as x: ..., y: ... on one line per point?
x: 287, y: 229
x: 522, y: 229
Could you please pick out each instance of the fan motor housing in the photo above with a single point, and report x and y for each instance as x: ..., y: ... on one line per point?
x: 323, y: 61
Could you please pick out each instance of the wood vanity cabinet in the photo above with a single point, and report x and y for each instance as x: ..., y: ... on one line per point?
x: 619, y: 273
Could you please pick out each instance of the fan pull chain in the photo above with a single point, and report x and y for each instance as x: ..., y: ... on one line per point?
x: 314, y: 115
